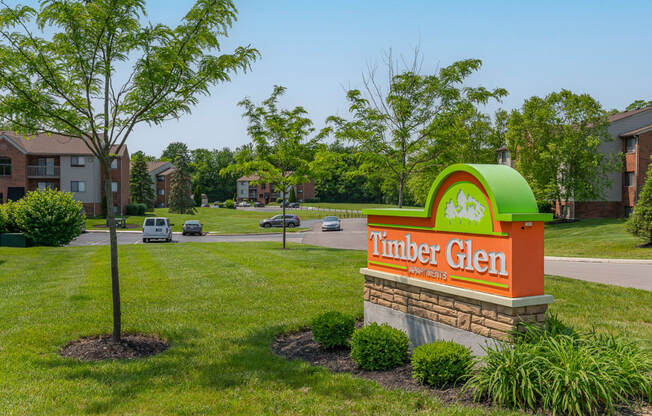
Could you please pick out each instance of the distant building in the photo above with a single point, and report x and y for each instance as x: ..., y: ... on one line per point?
x: 632, y: 133
x: 266, y: 193
x: 160, y: 172
x: 52, y: 161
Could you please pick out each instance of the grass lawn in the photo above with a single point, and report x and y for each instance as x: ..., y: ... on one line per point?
x: 604, y: 238
x: 219, y: 220
x: 220, y: 306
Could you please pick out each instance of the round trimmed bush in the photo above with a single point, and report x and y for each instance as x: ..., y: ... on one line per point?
x: 333, y: 329
x: 9, y: 216
x: 229, y: 204
x: 441, y: 363
x: 379, y: 347
x: 3, y: 220
x: 49, y: 217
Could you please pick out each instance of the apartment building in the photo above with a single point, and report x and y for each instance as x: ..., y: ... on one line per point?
x: 266, y: 193
x: 160, y: 173
x: 632, y: 135
x: 60, y: 162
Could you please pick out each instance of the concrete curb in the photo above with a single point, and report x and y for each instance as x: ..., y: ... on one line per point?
x: 593, y: 260
x: 208, y: 233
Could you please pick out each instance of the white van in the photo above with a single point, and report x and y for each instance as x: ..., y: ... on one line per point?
x: 157, y: 228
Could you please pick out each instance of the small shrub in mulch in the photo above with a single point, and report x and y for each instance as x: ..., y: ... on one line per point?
x: 379, y: 347
x: 102, y: 347
x: 441, y: 363
x: 333, y: 329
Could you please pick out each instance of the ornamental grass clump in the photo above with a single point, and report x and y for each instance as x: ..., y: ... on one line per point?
x: 379, y: 347
x: 441, y: 363
x: 333, y: 329
x: 565, y: 374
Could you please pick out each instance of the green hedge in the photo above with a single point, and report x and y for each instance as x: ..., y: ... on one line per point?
x: 333, y: 329
x: 441, y: 363
x: 379, y: 347
x: 136, y: 209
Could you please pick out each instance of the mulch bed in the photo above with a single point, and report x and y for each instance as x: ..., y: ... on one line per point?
x: 101, y: 347
x: 301, y: 345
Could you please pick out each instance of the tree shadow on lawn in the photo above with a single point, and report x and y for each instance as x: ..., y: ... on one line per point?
x: 246, y: 359
x: 127, y: 378
x: 254, y: 360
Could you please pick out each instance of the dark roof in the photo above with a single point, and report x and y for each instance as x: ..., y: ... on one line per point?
x: 155, y: 165
x: 52, y: 144
x: 637, y: 131
x: 167, y: 172
x: 625, y: 114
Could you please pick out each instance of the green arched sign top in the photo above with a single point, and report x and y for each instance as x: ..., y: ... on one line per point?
x: 509, y: 194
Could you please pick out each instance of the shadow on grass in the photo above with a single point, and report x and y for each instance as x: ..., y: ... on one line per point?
x: 240, y: 362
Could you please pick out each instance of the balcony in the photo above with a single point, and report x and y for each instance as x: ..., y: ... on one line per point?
x: 43, y: 171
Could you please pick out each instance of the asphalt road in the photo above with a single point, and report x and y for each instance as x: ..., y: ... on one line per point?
x: 353, y: 237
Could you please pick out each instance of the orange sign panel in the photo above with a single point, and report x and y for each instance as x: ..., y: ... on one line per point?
x: 480, y: 230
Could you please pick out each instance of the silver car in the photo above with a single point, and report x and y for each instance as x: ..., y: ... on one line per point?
x: 331, y: 223
x: 157, y: 228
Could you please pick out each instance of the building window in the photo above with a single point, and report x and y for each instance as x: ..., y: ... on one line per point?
x: 161, y: 191
x: 77, y: 161
x: 114, y: 164
x: 114, y: 186
x: 45, y: 185
x: 78, y: 186
x: 160, y: 178
x: 629, y: 178
x: 115, y: 209
x: 262, y: 186
x: 5, y: 166
x: 630, y: 144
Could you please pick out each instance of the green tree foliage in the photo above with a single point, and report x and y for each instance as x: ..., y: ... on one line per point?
x: 196, y: 196
x: 58, y: 75
x: 172, y: 149
x: 638, y: 104
x: 180, y: 200
x: 206, y: 166
x: 400, y: 129
x: 141, y: 185
x: 554, y: 142
x: 283, y: 148
x: 49, y: 217
x: 640, y: 223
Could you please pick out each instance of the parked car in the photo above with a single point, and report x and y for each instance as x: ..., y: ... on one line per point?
x: 192, y: 227
x: 243, y: 204
x: 205, y: 205
x: 289, y: 204
x: 157, y: 228
x: 216, y: 204
x: 291, y: 221
x: 259, y: 204
x: 331, y: 223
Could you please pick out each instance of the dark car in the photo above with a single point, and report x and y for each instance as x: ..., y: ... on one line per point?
x: 291, y: 221
x: 293, y: 205
x: 331, y: 223
x: 192, y: 227
x: 259, y: 204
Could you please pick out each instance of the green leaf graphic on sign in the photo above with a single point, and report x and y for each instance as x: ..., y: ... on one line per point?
x: 464, y: 208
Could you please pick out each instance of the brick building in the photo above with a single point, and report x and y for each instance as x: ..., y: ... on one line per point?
x: 266, y: 193
x: 60, y: 162
x: 632, y: 134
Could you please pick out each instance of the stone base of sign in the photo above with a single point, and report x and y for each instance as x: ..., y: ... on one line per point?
x: 446, y: 312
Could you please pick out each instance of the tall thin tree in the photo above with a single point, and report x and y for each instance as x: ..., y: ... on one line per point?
x: 59, y: 74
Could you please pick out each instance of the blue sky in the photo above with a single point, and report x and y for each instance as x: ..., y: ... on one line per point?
x: 318, y: 48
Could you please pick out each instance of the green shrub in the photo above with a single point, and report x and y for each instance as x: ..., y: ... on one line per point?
x: 640, y: 222
x: 3, y: 220
x: 229, y: 204
x: 441, y: 363
x: 544, y: 206
x: 532, y: 333
x: 379, y: 347
x: 9, y: 210
x: 49, y: 217
x: 333, y: 329
x: 565, y: 374
x: 136, y: 209
x: 313, y: 200
x: 279, y: 200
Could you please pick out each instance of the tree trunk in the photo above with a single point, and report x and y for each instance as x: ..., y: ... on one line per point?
x: 400, y: 191
x: 283, y: 197
x: 113, y: 237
